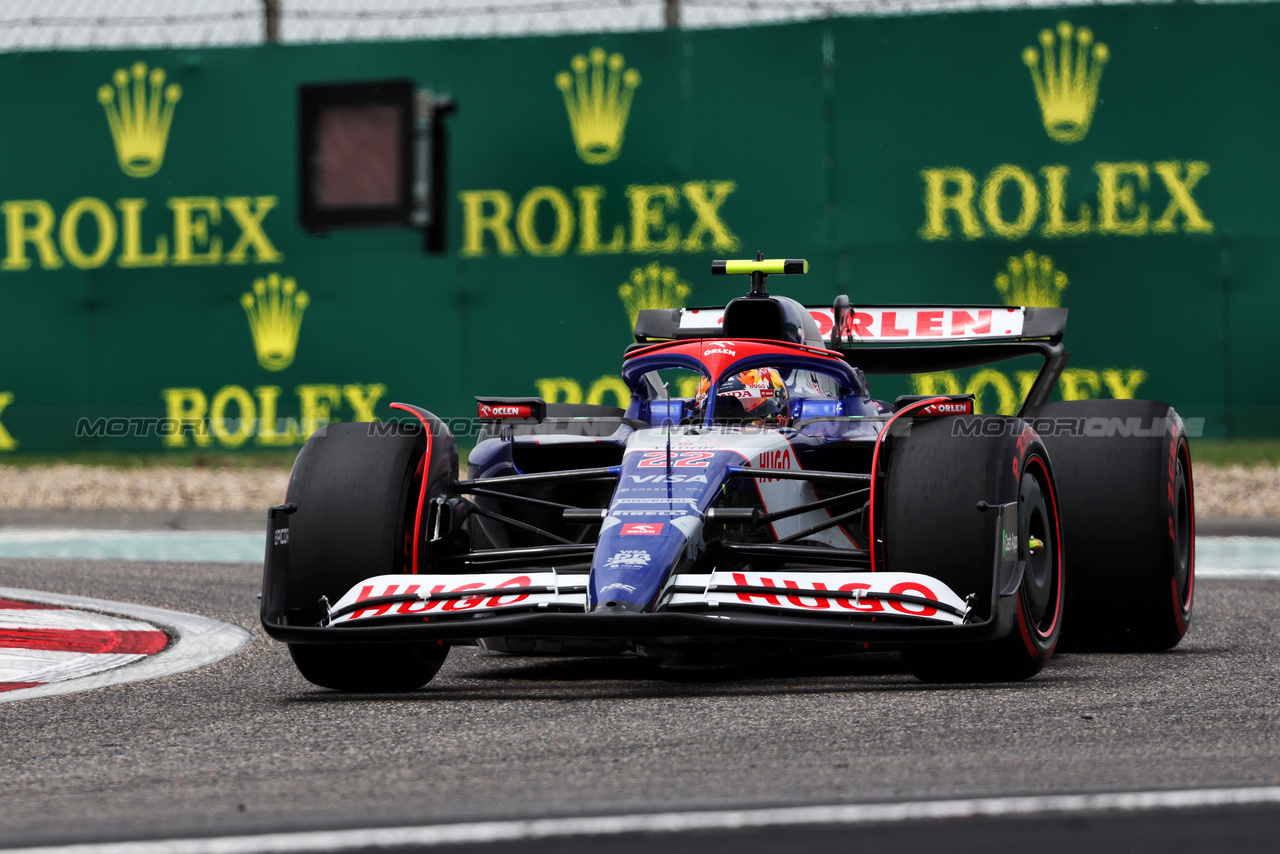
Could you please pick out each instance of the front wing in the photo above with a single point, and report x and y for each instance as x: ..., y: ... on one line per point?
x: 829, y: 606
x: 428, y: 598
x: 826, y: 605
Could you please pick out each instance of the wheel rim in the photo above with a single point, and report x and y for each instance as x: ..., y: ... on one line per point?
x: 1041, y: 580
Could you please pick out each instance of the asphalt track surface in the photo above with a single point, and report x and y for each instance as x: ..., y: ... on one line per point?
x: 246, y: 746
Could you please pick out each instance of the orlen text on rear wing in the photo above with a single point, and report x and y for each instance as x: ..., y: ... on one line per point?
x: 882, y: 339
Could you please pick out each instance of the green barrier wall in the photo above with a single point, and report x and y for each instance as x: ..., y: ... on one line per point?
x: 1128, y: 172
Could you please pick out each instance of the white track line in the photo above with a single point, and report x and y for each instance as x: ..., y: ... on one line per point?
x: 95, y: 543
x: 1233, y: 574
x: 678, y: 822
x: 197, y: 641
x: 1238, y: 557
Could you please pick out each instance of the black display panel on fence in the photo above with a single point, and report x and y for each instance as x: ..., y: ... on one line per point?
x: 355, y: 154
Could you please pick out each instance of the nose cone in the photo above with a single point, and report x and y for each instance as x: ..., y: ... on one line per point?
x: 632, y: 562
x: 654, y: 524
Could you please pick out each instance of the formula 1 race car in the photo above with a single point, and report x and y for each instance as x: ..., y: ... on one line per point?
x: 752, y: 498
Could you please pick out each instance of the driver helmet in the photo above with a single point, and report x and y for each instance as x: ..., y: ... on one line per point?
x: 757, y: 397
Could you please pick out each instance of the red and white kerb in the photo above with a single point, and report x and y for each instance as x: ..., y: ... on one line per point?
x: 40, y: 644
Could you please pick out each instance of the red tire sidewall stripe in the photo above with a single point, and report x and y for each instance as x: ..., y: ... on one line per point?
x: 1181, y: 609
x: 426, y: 473
x: 1034, y: 458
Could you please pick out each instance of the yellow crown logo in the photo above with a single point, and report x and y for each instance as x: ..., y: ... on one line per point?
x: 1031, y: 280
x: 139, y: 119
x: 598, y: 97
x: 1067, y: 82
x: 275, y: 317
x: 654, y: 286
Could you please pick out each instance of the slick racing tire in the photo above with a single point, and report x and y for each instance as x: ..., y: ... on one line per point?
x: 357, y: 489
x: 936, y: 478
x: 370, y: 667
x: 1124, y: 469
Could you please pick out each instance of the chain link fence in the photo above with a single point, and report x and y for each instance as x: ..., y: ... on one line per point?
x: 79, y: 24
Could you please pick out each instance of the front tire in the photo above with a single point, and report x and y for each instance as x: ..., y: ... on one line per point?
x: 936, y: 478
x: 357, y: 488
x: 368, y: 667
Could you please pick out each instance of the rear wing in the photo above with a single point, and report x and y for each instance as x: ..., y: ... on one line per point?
x: 883, y: 339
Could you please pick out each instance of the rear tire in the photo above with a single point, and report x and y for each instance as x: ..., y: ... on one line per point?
x: 1129, y: 513
x: 357, y: 491
x: 936, y: 478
